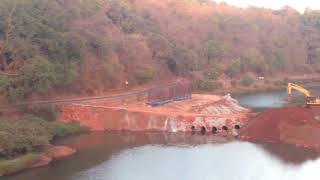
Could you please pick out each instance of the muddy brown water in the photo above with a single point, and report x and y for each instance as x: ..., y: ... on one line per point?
x: 178, y: 156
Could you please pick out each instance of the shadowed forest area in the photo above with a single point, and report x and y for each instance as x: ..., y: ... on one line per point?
x: 88, y: 46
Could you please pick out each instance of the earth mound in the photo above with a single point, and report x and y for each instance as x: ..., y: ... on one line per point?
x: 292, y: 125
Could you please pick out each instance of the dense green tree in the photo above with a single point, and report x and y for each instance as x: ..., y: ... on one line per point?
x: 30, y: 134
x: 100, y: 43
x: 212, y: 72
x: 128, y: 18
x: 234, y: 68
x: 247, y: 80
x: 144, y: 73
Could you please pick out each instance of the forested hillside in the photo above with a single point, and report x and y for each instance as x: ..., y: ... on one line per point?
x: 89, y: 46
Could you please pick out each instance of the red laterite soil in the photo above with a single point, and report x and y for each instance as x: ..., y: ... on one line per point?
x: 292, y: 125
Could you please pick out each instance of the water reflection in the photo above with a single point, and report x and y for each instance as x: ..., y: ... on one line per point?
x: 173, y: 156
x: 232, y: 161
x: 264, y: 99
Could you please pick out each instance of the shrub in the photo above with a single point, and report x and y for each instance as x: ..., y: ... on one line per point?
x: 102, y: 47
x: 56, y: 129
x: 31, y: 134
x: 38, y: 76
x: 21, y: 136
x: 66, y: 47
x: 128, y: 18
x: 65, y: 74
x: 234, y: 68
x: 211, y: 73
x: 247, y: 79
x: 48, y: 112
x: 202, y: 84
x: 59, y: 129
x: 144, y: 73
x: 4, y: 83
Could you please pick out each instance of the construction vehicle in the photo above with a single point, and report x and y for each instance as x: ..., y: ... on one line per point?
x: 310, y: 100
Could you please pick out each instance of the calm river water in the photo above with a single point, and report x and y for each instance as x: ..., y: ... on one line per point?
x: 162, y: 156
x: 179, y: 156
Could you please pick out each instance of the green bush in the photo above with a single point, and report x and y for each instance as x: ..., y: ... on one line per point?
x: 205, y: 84
x: 185, y: 59
x: 31, y: 134
x: 63, y: 48
x: 234, y: 68
x: 56, y: 128
x: 130, y: 19
x: 211, y: 73
x: 65, y: 73
x: 48, y: 112
x: 247, y: 79
x: 59, y: 129
x: 102, y: 47
x: 21, y: 136
x: 144, y: 73
x: 37, y: 76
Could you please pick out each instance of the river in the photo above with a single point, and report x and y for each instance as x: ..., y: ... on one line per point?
x: 179, y: 156
x: 264, y: 99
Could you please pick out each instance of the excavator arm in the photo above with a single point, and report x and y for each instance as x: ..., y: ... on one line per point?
x: 309, y: 99
x: 292, y: 86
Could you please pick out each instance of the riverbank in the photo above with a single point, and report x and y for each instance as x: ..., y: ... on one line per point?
x: 34, y: 160
x: 26, y: 142
x: 96, y: 149
x: 294, y: 125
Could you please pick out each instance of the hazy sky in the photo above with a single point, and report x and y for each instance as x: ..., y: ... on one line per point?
x: 300, y: 5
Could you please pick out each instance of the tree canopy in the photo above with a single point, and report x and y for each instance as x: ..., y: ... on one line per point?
x: 93, y: 45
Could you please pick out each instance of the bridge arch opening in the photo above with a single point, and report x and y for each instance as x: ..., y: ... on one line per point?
x: 214, y: 130
x: 237, y: 127
x: 203, y: 130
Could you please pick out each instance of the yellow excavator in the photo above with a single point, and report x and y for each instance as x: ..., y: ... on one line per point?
x: 310, y: 100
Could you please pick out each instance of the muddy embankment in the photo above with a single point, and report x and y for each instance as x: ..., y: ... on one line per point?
x: 295, y: 125
x: 201, y: 113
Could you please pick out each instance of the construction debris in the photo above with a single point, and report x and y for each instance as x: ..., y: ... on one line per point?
x: 226, y: 105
